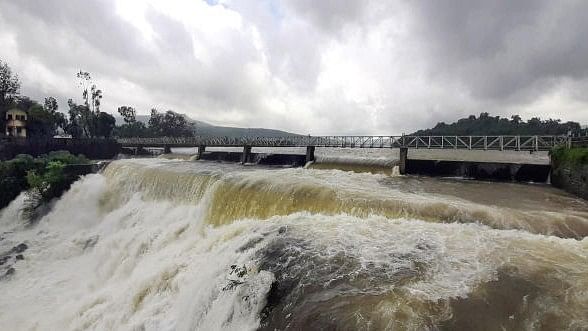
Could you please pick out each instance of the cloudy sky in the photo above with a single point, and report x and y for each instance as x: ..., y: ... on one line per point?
x: 309, y: 66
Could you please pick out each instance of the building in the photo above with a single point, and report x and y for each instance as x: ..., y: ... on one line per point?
x: 16, y: 123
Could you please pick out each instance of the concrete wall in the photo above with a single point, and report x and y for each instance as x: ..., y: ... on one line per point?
x: 480, y: 170
x: 91, y: 148
x: 257, y: 158
x: 572, y: 178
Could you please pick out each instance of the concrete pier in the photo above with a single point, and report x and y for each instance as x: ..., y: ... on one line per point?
x: 310, y: 153
x: 201, y: 150
x: 141, y: 151
x: 402, y: 160
x: 246, y: 154
x: 166, y: 149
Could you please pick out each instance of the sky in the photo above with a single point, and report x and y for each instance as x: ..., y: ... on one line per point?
x: 316, y: 67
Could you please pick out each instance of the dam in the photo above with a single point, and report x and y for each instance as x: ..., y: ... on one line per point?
x: 515, y: 169
x: 173, y: 244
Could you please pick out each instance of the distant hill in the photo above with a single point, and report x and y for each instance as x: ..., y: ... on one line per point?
x: 486, y: 125
x: 206, y: 129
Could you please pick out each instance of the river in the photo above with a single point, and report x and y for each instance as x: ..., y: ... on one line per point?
x: 173, y: 244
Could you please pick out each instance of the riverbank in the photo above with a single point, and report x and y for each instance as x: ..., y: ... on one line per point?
x: 45, y: 177
x: 97, y: 149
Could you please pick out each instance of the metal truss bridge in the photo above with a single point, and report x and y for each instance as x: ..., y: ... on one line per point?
x: 499, y: 143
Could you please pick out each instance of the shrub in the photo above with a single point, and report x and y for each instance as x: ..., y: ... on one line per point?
x: 43, y: 175
x: 569, y: 156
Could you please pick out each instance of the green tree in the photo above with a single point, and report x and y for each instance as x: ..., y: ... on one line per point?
x: 495, y: 125
x: 105, y: 124
x: 169, y: 124
x: 75, y: 126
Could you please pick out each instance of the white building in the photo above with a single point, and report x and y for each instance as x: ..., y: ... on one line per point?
x: 16, y: 123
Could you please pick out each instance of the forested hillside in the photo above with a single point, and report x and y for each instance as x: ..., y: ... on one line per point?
x: 496, y: 125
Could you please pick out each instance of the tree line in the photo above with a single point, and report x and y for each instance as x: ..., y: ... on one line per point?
x: 486, y: 125
x: 168, y: 124
x: 85, y: 120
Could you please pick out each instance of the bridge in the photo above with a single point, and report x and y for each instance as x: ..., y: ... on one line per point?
x: 404, y: 143
x: 515, y: 143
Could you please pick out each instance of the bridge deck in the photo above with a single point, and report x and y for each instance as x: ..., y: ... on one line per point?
x: 516, y: 143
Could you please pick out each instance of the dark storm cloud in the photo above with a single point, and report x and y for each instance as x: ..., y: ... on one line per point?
x: 501, y: 49
x: 325, y: 67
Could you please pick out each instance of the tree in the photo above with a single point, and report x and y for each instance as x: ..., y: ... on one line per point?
x: 87, y: 120
x: 90, y: 93
x: 52, y: 107
x: 128, y: 114
x: 495, y: 125
x: 131, y: 128
x: 105, y: 124
x: 75, y: 125
x: 40, y: 123
x: 169, y: 124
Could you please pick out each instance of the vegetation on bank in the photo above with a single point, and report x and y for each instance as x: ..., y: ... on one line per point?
x: 86, y: 119
x: 562, y: 156
x: 486, y: 125
x: 44, y: 178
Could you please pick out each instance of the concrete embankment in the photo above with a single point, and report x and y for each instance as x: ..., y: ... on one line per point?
x: 538, y: 173
x: 572, y: 178
x: 292, y: 160
x: 570, y: 170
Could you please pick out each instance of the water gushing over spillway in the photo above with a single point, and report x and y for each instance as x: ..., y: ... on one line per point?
x: 177, y: 245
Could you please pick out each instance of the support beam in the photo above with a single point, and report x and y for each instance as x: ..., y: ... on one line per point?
x: 246, y: 154
x: 201, y: 150
x: 402, y: 160
x: 166, y: 149
x: 309, y: 153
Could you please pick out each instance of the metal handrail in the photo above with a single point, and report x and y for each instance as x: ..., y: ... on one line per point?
x: 520, y: 143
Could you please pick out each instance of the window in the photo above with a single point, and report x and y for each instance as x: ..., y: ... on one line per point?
x: 18, y: 130
x: 9, y: 117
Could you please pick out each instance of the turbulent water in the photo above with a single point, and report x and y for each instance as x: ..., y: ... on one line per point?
x: 157, y: 244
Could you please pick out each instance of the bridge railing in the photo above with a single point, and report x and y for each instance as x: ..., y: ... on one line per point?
x: 520, y: 143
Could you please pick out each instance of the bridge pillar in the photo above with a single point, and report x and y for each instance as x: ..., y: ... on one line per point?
x: 166, y: 149
x: 246, y: 154
x: 402, y: 160
x: 201, y: 150
x: 140, y: 151
x: 309, y: 153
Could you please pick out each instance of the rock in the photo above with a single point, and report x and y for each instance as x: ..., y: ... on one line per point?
x: 3, y: 259
x: 19, y: 248
x: 20, y: 257
x: 8, y: 272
